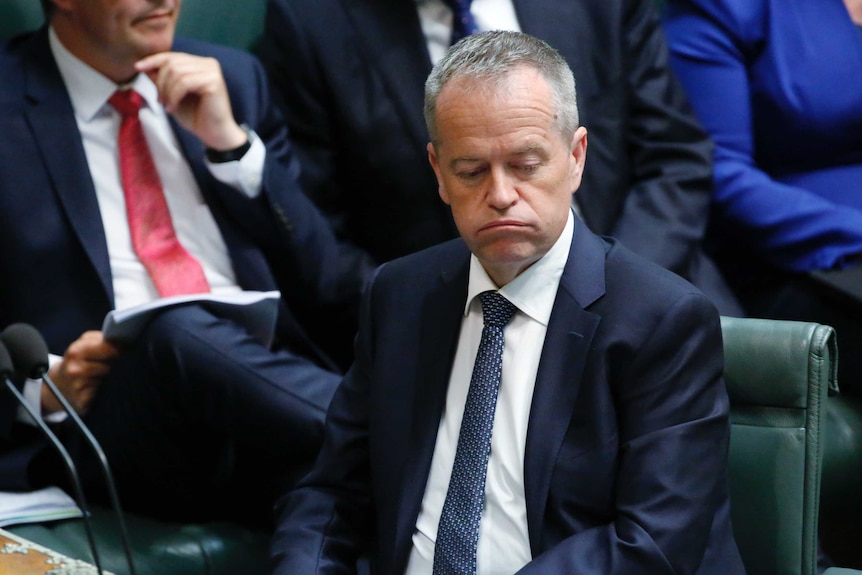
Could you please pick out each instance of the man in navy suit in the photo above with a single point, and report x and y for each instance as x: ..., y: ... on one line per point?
x: 351, y: 74
x: 608, y: 448
x: 197, y: 416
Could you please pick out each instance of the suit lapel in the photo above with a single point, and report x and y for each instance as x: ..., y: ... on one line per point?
x: 442, y: 312
x: 50, y: 115
x: 391, y: 40
x: 569, y: 336
x: 193, y: 151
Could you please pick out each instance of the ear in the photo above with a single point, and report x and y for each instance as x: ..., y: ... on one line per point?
x: 441, y: 188
x: 579, y: 157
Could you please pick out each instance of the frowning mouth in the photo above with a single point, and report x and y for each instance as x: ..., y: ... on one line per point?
x: 500, y: 224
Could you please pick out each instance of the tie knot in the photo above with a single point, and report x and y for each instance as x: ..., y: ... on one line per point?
x: 126, y: 102
x: 496, y: 310
x: 463, y: 23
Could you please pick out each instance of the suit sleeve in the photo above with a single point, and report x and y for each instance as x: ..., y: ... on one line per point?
x: 325, y: 521
x: 304, y: 98
x: 319, y: 279
x: 19, y: 444
x: 790, y: 227
x: 283, y: 220
x: 671, y: 480
x: 666, y: 210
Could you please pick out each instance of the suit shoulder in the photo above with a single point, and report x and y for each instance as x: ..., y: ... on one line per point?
x: 12, y: 56
x: 314, y: 14
x: 639, y: 285
x: 425, y: 266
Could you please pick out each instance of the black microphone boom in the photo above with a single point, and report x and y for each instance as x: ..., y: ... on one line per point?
x: 7, y: 370
x: 30, y: 355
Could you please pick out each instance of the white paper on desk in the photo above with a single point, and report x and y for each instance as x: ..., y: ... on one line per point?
x: 256, y: 311
x: 47, y: 504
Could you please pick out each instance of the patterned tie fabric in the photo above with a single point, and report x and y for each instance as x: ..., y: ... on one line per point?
x: 463, y: 23
x: 458, y: 531
x: 173, y: 270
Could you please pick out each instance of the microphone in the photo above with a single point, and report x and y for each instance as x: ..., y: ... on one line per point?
x: 29, y: 352
x: 6, y: 371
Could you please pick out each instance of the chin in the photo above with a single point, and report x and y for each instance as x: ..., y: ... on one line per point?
x: 508, y: 256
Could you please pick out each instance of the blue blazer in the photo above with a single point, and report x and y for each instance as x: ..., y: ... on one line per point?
x: 352, y: 75
x: 625, y: 463
x: 778, y: 85
x: 54, y: 267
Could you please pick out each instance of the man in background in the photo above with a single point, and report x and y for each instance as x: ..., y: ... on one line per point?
x: 351, y: 72
x: 134, y: 167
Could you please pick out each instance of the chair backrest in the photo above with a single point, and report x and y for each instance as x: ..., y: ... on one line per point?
x: 18, y: 16
x: 237, y: 23
x: 778, y: 374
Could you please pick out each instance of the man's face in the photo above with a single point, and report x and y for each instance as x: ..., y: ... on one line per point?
x: 114, y: 34
x: 505, y: 170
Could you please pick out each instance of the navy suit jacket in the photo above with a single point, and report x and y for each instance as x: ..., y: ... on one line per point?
x: 625, y: 463
x: 352, y: 75
x: 54, y: 267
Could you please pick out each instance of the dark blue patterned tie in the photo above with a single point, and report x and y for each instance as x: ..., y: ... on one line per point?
x: 463, y: 23
x: 458, y: 531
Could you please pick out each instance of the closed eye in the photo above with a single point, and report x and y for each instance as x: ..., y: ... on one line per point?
x: 526, y: 169
x: 471, y: 174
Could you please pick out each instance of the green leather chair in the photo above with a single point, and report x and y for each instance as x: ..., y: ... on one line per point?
x: 161, y: 548
x: 158, y: 548
x: 779, y: 375
x: 840, y: 491
x: 237, y: 23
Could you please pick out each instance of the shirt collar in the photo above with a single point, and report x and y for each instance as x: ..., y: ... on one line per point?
x: 88, y: 89
x: 534, y: 290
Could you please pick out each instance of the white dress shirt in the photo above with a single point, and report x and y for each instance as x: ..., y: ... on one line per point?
x: 99, y: 124
x: 436, y: 20
x: 504, y: 543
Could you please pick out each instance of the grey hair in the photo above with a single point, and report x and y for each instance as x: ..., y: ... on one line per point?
x: 491, y: 56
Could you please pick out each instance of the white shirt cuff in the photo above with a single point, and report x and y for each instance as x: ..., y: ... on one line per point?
x: 245, y: 174
x: 33, y: 395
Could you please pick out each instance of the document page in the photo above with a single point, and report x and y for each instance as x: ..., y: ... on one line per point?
x: 255, y: 310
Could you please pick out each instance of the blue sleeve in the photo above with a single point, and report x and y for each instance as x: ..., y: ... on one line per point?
x: 713, y: 44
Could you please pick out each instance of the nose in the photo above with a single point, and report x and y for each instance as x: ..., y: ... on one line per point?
x: 502, y: 192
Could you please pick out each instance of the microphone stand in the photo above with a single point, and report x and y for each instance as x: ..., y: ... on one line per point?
x: 31, y: 353
x: 5, y: 371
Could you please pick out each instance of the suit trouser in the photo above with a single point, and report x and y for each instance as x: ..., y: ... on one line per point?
x: 201, y: 421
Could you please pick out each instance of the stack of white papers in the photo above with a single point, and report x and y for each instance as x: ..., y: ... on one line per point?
x: 47, y: 504
x: 255, y: 310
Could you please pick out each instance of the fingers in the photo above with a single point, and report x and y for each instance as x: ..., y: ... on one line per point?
x: 178, y: 76
x: 192, y: 89
x: 78, y: 376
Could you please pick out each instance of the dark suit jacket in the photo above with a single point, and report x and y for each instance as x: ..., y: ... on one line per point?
x: 352, y: 73
x: 54, y: 268
x: 625, y: 463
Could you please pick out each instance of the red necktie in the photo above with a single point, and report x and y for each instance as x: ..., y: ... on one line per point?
x: 173, y: 270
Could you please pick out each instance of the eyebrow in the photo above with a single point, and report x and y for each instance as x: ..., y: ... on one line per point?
x: 523, y: 151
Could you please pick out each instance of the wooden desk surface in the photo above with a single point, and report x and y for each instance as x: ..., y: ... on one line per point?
x: 19, y: 556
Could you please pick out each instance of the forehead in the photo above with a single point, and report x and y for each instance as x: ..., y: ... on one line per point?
x: 510, y: 110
